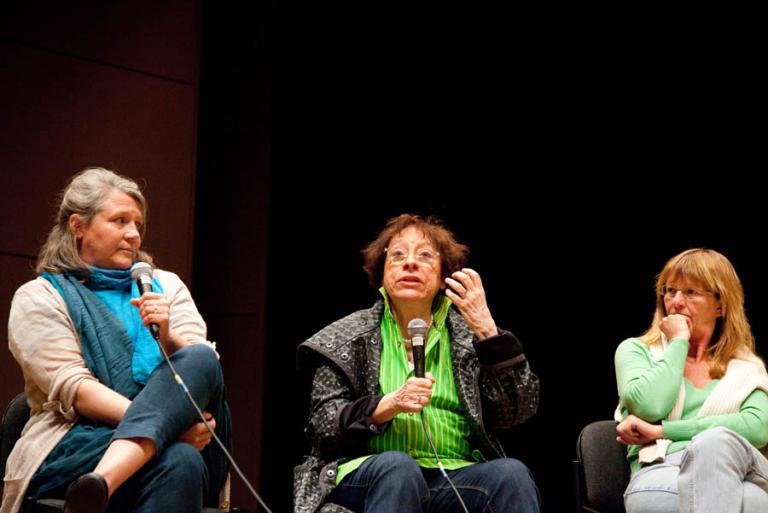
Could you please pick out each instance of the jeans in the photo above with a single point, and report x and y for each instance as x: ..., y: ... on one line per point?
x: 179, y: 479
x: 392, y: 482
x: 719, y: 472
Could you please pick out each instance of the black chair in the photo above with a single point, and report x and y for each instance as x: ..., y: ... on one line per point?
x: 601, y: 469
x: 14, y: 419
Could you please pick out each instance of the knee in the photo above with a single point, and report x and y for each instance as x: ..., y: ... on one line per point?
x: 204, y: 360
x: 653, y: 489
x: 715, y: 440
x: 509, y: 471
x: 200, y: 353
x: 510, y: 474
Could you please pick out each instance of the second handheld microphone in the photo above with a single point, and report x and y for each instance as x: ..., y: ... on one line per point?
x: 417, y: 331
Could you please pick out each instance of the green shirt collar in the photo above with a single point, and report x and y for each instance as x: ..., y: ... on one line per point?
x: 439, y: 309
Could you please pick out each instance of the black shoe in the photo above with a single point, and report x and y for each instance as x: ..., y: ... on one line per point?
x: 88, y: 493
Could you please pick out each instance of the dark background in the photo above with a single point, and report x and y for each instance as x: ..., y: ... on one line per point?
x: 573, y: 157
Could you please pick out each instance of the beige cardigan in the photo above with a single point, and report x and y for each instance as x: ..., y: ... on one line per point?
x: 43, y: 340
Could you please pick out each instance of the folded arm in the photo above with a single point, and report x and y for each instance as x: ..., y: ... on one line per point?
x: 649, y: 388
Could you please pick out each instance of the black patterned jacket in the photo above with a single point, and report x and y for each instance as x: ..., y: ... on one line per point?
x: 493, y: 379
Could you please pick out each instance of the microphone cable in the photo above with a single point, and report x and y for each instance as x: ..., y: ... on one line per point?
x: 141, y: 272
x: 200, y: 414
x: 440, y: 463
x: 417, y: 331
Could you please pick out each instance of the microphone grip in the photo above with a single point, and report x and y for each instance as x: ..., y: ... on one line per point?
x: 155, y: 330
x: 418, y: 360
x: 144, y: 287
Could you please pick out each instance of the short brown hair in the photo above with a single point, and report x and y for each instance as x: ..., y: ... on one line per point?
x: 453, y: 254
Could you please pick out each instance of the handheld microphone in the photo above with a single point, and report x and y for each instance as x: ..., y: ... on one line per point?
x: 141, y: 272
x: 417, y: 330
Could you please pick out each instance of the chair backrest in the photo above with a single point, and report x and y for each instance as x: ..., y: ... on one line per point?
x: 602, y: 470
x: 14, y: 419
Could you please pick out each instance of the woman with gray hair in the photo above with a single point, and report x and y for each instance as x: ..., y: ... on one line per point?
x: 110, y: 429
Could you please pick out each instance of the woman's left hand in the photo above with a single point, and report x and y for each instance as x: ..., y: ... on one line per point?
x: 465, y: 289
x: 154, y: 308
x: 635, y: 431
x: 198, y: 435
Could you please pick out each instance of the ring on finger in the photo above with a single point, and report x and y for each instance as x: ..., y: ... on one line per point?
x: 156, y: 308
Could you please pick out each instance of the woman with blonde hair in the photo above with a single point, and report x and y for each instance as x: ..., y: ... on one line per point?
x: 693, y: 396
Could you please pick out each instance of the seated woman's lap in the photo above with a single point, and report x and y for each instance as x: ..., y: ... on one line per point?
x: 394, y: 476
x: 654, y: 488
x: 161, y: 411
x: 503, y: 484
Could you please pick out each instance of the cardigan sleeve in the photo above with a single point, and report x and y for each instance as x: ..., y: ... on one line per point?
x: 44, y: 342
x: 751, y: 422
x: 648, y: 388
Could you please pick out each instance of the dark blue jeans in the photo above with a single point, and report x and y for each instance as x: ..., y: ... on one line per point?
x: 392, y: 482
x: 179, y: 479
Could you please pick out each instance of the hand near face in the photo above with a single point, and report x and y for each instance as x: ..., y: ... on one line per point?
x: 465, y: 289
x: 635, y: 431
x: 676, y: 326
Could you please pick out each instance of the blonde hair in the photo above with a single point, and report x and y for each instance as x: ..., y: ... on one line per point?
x: 84, y: 195
x: 715, y: 273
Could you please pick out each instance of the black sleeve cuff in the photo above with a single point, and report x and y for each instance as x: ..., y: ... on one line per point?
x: 503, y: 348
x: 355, y: 418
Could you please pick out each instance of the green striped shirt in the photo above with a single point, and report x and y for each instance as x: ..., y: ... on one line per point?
x: 444, y: 414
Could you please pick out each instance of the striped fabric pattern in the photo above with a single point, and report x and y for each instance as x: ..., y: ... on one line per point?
x: 444, y: 414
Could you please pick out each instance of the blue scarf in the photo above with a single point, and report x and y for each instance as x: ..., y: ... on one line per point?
x: 115, y: 331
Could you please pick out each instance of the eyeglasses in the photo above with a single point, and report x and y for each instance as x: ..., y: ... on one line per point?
x: 398, y: 255
x: 689, y: 293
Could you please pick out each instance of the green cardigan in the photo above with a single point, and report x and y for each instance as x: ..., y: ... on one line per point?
x: 649, y: 388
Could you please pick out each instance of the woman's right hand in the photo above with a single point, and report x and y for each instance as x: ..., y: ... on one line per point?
x: 412, y: 397
x: 154, y: 308
x: 676, y: 326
